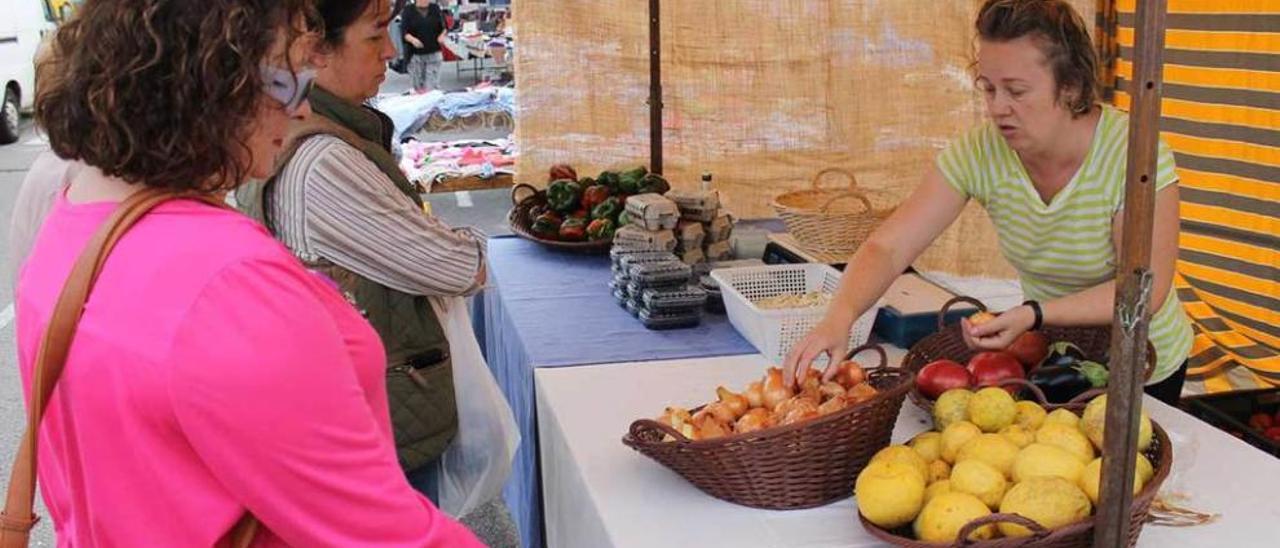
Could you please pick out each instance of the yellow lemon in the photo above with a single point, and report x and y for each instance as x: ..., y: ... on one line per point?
x: 936, y: 488
x: 1066, y: 437
x: 905, y: 455
x: 939, y: 470
x: 890, y: 494
x: 947, y: 513
x: 1091, y: 477
x: 1061, y: 416
x: 993, y: 449
x: 1051, y: 502
x: 1039, y: 460
x: 1030, y: 416
x: 928, y: 444
x: 980, y: 480
x: 992, y: 408
x: 1093, y: 423
x: 952, y: 406
x: 955, y: 436
x: 1020, y: 436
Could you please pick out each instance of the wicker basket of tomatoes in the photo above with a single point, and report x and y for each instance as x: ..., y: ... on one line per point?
x: 578, y: 214
x: 1062, y: 362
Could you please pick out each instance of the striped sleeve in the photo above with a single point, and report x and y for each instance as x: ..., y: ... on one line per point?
x: 959, y: 163
x: 359, y: 220
x: 1166, y: 172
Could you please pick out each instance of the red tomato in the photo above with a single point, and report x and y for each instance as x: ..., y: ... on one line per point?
x: 989, y: 368
x: 940, y: 376
x: 1030, y: 348
x: 1261, y: 421
x: 1273, y: 433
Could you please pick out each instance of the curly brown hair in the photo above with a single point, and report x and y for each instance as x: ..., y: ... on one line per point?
x: 1062, y: 37
x: 162, y: 92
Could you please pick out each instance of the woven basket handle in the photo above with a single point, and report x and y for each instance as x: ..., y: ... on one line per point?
x: 946, y: 307
x: 1035, y: 390
x: 851, y: 194
x: 884, y: 356
x: 962, y: 538
x: 817, y: 179
x: 527, y: 190
x: 640, y: 426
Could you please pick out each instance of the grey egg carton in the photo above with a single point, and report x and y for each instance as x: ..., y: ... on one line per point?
x: 660, y: 273
x: 673, y: 299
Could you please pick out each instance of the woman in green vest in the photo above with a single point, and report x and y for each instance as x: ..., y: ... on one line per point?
x: 342, y: 205
x: 1049, y: 168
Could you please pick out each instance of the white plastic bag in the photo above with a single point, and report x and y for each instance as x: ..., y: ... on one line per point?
x: 475, y: 466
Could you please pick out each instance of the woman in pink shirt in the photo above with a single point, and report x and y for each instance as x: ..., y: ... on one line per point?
x: 211, y: 375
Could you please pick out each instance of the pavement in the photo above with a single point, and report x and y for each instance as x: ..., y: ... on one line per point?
x: 484, y: 209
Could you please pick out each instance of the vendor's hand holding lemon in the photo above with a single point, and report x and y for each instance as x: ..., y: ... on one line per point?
x: 999, y: 332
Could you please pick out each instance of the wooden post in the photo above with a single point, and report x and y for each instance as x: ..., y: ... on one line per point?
x: 1133, y: 283
x: 655, y: 88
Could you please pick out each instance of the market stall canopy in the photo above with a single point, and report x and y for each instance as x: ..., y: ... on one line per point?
x: 761, y: 93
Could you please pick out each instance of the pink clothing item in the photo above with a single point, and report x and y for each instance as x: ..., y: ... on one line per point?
x: 210, y: 374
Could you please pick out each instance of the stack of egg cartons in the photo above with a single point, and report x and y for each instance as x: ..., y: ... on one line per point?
x: 649, y: 280
x: 704, y: 228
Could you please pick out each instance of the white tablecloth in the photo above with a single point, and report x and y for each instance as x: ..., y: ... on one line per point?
x: 598, y: 492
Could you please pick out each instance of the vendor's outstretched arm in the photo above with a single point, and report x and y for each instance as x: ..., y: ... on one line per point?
x: 878, y: 262
x: 1096, y: 305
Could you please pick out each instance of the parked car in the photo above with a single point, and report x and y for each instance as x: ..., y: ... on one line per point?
x: 22, y: 31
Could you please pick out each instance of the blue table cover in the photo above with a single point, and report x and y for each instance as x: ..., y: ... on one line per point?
x: 547, y: 308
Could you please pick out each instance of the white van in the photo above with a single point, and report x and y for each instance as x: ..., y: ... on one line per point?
x: 22, y: 29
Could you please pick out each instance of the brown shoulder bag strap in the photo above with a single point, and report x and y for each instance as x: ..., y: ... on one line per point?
x: 18, y: 517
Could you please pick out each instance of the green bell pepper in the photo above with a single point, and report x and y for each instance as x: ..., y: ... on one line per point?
x: 652, y: 182
x: 564, y: 195
x: 609, y: 179
x: 608, y: 209
x: 600, y: 229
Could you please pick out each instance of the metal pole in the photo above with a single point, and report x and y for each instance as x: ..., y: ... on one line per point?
x: 655, y: 89
x: 1133, y: 283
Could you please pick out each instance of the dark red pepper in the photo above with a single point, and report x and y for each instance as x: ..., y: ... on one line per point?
x: 593, y: 195
x: 573, y: 230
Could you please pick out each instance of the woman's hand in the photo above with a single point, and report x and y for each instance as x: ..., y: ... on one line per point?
x: 998, y: 333
x: 828, y: 338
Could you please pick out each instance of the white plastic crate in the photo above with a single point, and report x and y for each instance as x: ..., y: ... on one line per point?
x: 773, y: 332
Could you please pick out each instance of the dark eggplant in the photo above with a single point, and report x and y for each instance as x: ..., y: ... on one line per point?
x: 1060, y: 383
x: 1061, y: 354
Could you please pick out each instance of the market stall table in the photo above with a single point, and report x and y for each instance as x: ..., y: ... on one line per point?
x: 547, y: 308
x: 600, y: 493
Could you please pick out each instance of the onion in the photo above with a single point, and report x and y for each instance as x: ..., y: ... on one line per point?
x: 758, y: 418
x: 861, y: 393
x: 832, y: 405
x: 796, y: 403
x: 831, y: 390
x: 800, y: 414
x: 675, y: 417
x: 811, y: 381
x: 850, y: 374
x: 736, y: 403
x: 710, y: 428
x: 720, y: 411
x: 775, y: 392
x: 754, y: 394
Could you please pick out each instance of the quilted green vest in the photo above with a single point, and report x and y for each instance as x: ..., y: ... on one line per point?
x: 419, y: 371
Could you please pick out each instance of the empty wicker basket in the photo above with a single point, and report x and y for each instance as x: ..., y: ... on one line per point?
x: 833, y: 220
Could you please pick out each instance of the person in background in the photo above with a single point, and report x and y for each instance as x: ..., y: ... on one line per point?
x: 342, y: 205
x: 212, y: 376
x: 1049, y: 168
x: 424, y: 29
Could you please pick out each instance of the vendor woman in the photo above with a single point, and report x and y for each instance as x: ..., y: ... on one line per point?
x: 1049, y: 167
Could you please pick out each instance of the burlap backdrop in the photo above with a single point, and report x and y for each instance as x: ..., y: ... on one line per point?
x: 761, y: 93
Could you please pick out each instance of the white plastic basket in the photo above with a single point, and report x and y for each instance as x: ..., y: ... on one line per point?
x: 774, y: 332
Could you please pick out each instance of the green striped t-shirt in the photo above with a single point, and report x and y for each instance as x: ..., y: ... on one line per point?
x: 1064, y: 247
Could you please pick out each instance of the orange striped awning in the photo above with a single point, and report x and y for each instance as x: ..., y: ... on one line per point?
x: 1221, y: 116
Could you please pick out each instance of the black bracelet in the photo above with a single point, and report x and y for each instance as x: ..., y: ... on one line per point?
x: 1035, y: 307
